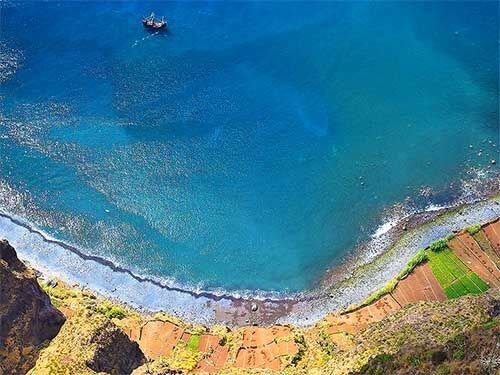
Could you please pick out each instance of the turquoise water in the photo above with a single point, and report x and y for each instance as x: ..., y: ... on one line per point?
x: 253, y: 145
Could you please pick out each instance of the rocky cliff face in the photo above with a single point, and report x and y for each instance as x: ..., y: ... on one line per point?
x: 89, y: 343
x: 27, y: 318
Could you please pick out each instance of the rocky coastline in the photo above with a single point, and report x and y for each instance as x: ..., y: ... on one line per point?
x: 347, y: 284
x: 51, y: 327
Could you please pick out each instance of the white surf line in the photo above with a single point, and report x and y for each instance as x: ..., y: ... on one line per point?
x: 380, y: 272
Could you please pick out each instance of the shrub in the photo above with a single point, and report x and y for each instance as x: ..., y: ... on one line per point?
x: 382, y: 358
x: 115, y: 312
x: 473, y: 229
x: 414, y: 261
x: 439, y: 245
x: 459, y: 354
x: 301, y: 345
x: 111, y: 311
x: 183, y: 357
x: 326, y: 343
x: 415, y: 360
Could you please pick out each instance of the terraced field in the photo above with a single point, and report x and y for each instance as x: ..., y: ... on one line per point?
x: 449, y: 271
x: 453, y: 275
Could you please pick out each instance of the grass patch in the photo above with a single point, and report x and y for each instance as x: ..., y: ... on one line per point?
x: 183, y: 357
x: 58, y: 292
x: 194, y: 342
x: 387, y: 288
x: 453, y: 275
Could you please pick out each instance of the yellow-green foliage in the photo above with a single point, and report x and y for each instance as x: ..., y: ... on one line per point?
x: 169, y: 318
x: 387, y: 288
x: 419, y: 257
x: 69, y: 351
x: 57, y: 366
x: 420, y: 324
x: 194, y: 342
x: 196, y: 329
x: 473, y: 229
x: 112, y: 311
x: 58, y: 292
x: 183, y: 357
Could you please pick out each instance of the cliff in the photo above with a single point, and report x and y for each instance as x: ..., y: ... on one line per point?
x: 34, y: 334
x: 27, y: 318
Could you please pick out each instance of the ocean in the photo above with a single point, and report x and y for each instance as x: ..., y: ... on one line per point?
x: 253, y: 145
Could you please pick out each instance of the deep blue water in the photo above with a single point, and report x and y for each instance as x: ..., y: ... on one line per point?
x: 251, y: 146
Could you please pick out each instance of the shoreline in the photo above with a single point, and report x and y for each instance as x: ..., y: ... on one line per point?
x: 338, y: 288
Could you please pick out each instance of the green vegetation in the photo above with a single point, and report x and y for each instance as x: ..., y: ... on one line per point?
x: 182, y: 358
x: 419, y: 257
x: 491, y: 324
x: 439, y: 245
x: 382, y: 358
x: 57, y: 292
x: 301, y: 346
x: 453, y: 275
x: 194, y: 342
x: 111, y: 311
x: 473, y: 229
x: 387, y: 288
x: 325, y: 342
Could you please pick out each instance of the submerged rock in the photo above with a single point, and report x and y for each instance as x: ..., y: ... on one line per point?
x: 27, y: 318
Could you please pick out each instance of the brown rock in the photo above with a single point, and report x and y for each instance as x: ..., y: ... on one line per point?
x: 87, y: 344
x: 27, y: 318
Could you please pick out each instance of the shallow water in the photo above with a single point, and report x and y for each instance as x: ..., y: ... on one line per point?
x: 254, y: 144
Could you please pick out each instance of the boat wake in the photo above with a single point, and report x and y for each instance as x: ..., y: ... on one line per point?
x: 138, y: 41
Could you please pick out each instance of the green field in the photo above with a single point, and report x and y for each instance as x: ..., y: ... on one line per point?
x: 453, y: 275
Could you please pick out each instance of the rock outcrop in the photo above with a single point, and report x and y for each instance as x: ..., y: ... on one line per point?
x: 27, y: 318
x: 89, y: 343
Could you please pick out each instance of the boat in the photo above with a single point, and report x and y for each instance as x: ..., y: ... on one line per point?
x: 152, y: 23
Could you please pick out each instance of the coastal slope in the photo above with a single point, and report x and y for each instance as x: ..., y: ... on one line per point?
x: 437, y: 315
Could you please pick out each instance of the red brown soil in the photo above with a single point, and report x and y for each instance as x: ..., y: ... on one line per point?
x: 261, y: 347
x: 492, y: 233
x: 469, y: 251
x: 359, y: 319
x: 483, y: 242
x: 215, y: 354
x: 420, y: 285
x: 158, y: 338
